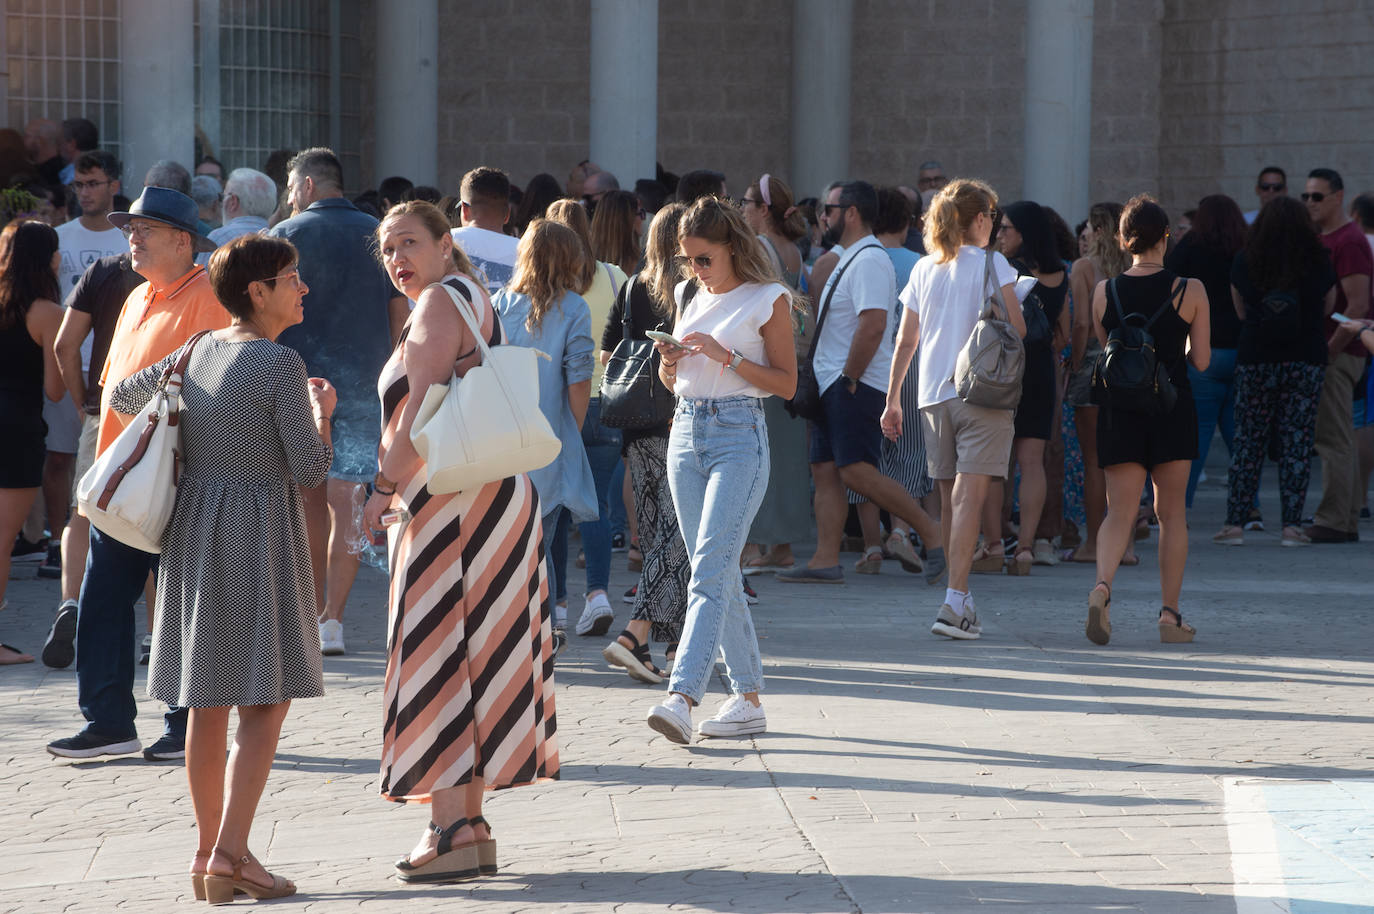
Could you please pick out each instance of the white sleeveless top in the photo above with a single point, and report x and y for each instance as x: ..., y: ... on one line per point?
x: 735, y: 319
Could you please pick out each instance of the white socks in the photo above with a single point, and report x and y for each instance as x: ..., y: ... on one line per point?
x: 957, y: 599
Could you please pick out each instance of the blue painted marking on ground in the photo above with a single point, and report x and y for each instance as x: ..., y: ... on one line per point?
x: 1324, y: 833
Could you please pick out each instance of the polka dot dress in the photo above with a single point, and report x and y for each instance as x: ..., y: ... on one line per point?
x: 236, y: 621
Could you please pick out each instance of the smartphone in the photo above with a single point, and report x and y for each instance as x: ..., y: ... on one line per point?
x: 394, y: 516
x: 667, y: 339
x: 1341, y: 318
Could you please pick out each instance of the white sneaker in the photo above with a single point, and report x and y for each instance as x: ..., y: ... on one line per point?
x: 963, y: 627
x: 331, y: 638
x: 596, y: 617
x: 737, y: 717
x: 673, y: 718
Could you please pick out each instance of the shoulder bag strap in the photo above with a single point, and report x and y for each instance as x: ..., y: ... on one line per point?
x: 1116, y: 301
x: 171, y: 381
x: 611, y: 276
x: 992, y: 299
x: 626, y: 327
x: 1180, y: 286
x: 825, y: 305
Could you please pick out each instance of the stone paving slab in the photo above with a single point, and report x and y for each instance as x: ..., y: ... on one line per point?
x: 1028, y: 771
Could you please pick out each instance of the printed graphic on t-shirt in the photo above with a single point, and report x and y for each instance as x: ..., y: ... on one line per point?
x: 75, y: 263
x: 497, y: 274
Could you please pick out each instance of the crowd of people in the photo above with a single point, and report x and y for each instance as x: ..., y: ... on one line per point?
x: 818, y: 353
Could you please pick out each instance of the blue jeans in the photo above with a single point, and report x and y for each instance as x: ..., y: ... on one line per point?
x: 603, y: 453
x: 556, y: 554
x: 1214, y: 395
x: 115, y: 575
x: 718, y: 473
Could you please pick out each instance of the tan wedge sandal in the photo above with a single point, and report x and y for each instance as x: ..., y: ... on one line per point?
x: 1179, y: 632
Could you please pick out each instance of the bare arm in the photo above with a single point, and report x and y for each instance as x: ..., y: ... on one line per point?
x: 44, y: 319
x: 778, y: 377
x: 75, y: 325
x: 1196, y: 310
x: 603, y: 356
x: 398, y: 312
x: 1356, y: 288
x: 1238, y: 303
x: 1099, y: 308
x: 1014, y: 315
x: 1080, y: 287
x: 579, y: 396
x: 868, y: 336
x: 820, y: 274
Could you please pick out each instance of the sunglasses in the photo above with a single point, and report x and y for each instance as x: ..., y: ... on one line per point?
x: 830, y: 206
x: 701, y: 261
x: 1314, y: 197
x: 1279, y: 186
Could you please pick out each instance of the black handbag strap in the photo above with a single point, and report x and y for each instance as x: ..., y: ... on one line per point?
x: 825, y: 305
x: 626, y: 326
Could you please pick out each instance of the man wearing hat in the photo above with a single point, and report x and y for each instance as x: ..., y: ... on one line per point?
x: 174, y: 303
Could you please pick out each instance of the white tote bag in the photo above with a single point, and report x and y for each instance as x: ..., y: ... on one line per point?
x: 131, y: 489
x: 486, y: 425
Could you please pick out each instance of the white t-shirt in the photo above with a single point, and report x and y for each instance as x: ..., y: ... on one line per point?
x: 81, y: 247
x: 491, y: 252
x: 947, y: 298
x: 870, y: 283
x: 735, y: 319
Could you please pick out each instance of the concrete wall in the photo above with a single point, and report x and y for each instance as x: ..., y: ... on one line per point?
x: 1127, y: 41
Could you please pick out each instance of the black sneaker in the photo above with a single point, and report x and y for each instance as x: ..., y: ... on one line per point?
x: 630, y: 595
x: 166, y: 749
x: 90, y: 745
x: 60, y: 649
x: 1254, y: 520
x: 560, y: 642
x: 52, y: 565
x: 618, y: 543
x: 145, y: 649
x: 749, y: 596
x: 26, y: 552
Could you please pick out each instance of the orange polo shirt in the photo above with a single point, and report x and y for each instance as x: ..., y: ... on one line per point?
x: 152, y: 325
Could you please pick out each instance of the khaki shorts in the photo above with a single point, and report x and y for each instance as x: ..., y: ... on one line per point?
x: 961, y: 438
x: 85, y: 451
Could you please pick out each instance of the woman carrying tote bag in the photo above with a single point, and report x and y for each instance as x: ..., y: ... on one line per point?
x: 470, y: 648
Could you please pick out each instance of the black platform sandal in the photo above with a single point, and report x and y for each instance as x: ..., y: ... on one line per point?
x: 636, y: 660
x: 453, y: 864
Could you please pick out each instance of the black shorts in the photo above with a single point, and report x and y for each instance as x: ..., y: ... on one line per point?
x: 850, y: 428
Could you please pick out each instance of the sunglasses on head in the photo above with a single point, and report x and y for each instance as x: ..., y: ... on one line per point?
x: 1316, y: 197
x: 1275, y: 186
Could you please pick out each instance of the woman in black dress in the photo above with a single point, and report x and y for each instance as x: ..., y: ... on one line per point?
x: 1131, y: 445
x: 1028, y: 242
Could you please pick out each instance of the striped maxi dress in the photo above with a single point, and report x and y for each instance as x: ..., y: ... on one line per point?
x: 469, y: 688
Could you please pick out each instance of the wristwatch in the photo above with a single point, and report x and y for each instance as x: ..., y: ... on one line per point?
x: 851, y: 384
x: 736, y: 357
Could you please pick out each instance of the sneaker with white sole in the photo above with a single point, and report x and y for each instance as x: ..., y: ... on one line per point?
x: 737, y: 717
x: 331, y: 638
x: 629, y: 597
x: 596, y: 617
x: 672, y: 718
x: 90, y: 745
x: 145, y: 649
x: 961, y: 627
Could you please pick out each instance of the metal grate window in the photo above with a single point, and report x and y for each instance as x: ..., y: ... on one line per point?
x: 62, y: 60
x: 277, y: 65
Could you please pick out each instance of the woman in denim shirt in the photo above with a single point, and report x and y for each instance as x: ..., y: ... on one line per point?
x: 737, y: 333
x: 539, y: 309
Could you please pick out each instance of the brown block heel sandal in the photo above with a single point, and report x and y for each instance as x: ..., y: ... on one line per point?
x: 453, y: 864
x: 1179, y: 632
x: 486, y: 849
x: 1020, y: 565
x: 222, y: 889
x: 1099, y: 627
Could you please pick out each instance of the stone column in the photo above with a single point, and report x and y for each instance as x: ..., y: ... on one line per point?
x: 407, y: 108
x: 822, y: 42
x: 157, y: 87
x: 624, y: 88
x: 209, y: 79
x: 1059, y: 68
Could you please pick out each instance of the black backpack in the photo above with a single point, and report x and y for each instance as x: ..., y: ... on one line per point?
x: 1280, y: 318
x: 1129, y: 375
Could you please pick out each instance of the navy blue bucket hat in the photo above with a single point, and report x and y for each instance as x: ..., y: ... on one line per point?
x: 170, y: 207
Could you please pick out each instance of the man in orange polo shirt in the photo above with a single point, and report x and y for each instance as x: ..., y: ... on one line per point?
x: 158, y: 317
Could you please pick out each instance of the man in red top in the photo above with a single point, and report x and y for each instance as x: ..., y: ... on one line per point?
x: 158, y: 317
x: 1337, y: 517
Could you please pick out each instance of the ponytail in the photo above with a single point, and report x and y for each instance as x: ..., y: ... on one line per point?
x: 951, y: 215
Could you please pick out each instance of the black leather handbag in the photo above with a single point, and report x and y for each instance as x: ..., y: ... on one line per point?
x: 631, y: 394
x: 806, y: 402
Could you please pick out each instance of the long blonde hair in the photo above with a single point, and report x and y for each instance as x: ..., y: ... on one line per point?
x: 570, y: 213
x: 548, y: 264
x: 718, y: 222
x: 1105, y: 250
x: 659, y: 275
x: 951, y: 215
x: 434, y: 221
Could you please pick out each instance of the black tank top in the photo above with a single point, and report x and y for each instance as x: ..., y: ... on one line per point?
x: 1145, y: 295
x: 21, y: 365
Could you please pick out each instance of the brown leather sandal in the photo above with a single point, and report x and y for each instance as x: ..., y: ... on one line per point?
x: 221, y: 889
x: 1099, y: 627
x: 1179, y: 632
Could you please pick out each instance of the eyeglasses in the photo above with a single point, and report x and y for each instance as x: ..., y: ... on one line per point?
x: 1314, y: 197
x: 141, y: 229
x: 829, y: 206
x: 700, y: 261
x: 79, y: 186
x: 754, y: 201
x: 1278, y: 186
x: 293, y: 274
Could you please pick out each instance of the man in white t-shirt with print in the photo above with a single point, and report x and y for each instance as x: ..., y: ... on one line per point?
x: 853, y: 357
x: 485, y: 210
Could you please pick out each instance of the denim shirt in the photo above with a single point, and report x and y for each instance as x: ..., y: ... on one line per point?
x: 566, y: 337
x: 346, y: 335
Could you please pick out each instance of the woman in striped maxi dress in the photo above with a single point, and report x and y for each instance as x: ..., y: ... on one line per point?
x: 469, y: 677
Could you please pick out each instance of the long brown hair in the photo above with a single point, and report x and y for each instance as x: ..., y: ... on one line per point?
x: 783, y: 217
x: 26, y: 249
x: 1283, y: 247
x: 718, y: 222
x: 548, y: 264
x: 613, y: 230
x: 660, y: 275
x: 1105, y: 250
x: 574, y: 216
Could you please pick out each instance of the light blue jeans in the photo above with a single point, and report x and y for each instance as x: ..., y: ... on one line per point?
x: 718, y: 473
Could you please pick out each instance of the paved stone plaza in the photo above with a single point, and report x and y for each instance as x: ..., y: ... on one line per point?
x: 1029, y: 771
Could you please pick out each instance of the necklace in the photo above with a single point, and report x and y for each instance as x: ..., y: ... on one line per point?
x: 1147, y: 264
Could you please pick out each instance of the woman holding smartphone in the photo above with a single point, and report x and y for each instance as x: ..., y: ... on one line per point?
x: 737, y: 330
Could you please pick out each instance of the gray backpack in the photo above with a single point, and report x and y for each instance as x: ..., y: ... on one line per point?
x: 989, y: 368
